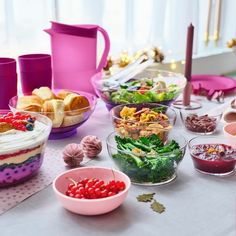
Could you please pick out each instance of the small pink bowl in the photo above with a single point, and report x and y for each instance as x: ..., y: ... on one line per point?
x: 230, y: 133
x: 90, y: 206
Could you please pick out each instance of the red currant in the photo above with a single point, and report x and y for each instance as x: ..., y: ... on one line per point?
x: 17, y: 117
x: 91, y: 188
x: 70, y: 186
x: 121, y: 186
x: 104, y: 193
x: 90, y: 191
x: 9, y: 114
x: 73, y: 189
x: 79, y: 185
x: 90, y: 183
x: 84, y: 181
x: 93, y: 196
x: 77, y: 196
x: 97, y: 192
x: 81, y: 190
x: 110, y: 194
x: 99, y: 184
x: 71, y: 195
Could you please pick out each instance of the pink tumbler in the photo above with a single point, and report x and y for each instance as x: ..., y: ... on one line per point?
x: 35, y: 71
x: 8, y: 81
x: 74, y: 55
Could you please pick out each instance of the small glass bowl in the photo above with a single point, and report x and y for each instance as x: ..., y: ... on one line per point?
x: 74, y: 118
x: 164, y: 172
x: 223, y: 166
x: 134, y: 129
x: 205, y: 125
x: 117, y: 95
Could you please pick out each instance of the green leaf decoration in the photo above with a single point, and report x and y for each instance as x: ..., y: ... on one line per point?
x: 148, y: 197
x: 157, y: 207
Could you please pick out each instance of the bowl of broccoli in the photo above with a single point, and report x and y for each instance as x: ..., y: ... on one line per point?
x: 147, y: 160
x: 151, y: 85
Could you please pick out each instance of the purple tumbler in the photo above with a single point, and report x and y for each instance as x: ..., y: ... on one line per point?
x: 8, y: 81
x: 35, y: 71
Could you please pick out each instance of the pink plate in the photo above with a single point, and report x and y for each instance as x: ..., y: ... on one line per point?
x: 212, y: 83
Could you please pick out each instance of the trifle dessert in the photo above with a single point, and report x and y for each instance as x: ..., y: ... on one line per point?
x: 22, y: 141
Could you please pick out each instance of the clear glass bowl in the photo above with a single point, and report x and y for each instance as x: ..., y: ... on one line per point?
x: 22, y: 154
x: 163, y: 172
x: 75, y: 118
x: 175, y: 84
x: 206, y: 163
x: 198, y: 122
x: 134, y: 129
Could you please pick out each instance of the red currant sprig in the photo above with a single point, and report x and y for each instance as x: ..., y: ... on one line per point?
x: 19, y: 121
x: 94, y: 188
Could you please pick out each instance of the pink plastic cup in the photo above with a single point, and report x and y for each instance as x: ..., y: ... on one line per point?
x: 35, y: 71
x: 8, y: 81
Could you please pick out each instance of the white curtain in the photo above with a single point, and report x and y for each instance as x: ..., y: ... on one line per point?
x: 131, y: 24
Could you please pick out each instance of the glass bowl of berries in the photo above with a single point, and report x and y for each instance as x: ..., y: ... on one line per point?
x: 91, y: 190
x: 23, y: 136
x: 212, y: 155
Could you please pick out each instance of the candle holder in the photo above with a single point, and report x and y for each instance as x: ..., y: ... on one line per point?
x: 193, y: 105
x: 186, y: 103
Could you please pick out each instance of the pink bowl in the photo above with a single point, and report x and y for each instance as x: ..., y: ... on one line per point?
x: 90, y: 206
x: 230, y: 133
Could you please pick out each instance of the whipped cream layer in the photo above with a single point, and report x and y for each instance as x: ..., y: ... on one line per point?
x: 14, y: 140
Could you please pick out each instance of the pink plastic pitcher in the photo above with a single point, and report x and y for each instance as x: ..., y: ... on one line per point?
x: 74, y: 55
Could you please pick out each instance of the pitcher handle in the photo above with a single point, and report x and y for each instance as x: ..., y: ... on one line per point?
x: 103, y: 60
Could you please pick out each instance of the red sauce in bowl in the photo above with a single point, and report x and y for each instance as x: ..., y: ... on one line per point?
x: 214, y: 158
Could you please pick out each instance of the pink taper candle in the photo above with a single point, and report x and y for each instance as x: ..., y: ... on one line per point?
x: 188, y: 66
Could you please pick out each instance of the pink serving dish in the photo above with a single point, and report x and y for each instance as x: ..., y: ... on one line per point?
x: 230, y: 133
x: 90, y: 206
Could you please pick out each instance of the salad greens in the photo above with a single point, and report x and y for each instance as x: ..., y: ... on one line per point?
x: 143, y: 90
x: 147, y: 159
x: 126, y: 96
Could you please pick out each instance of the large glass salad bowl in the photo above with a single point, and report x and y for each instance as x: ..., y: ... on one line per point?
x: 151, y: 85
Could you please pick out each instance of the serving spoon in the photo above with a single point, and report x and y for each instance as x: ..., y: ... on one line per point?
x: 126, y: 74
